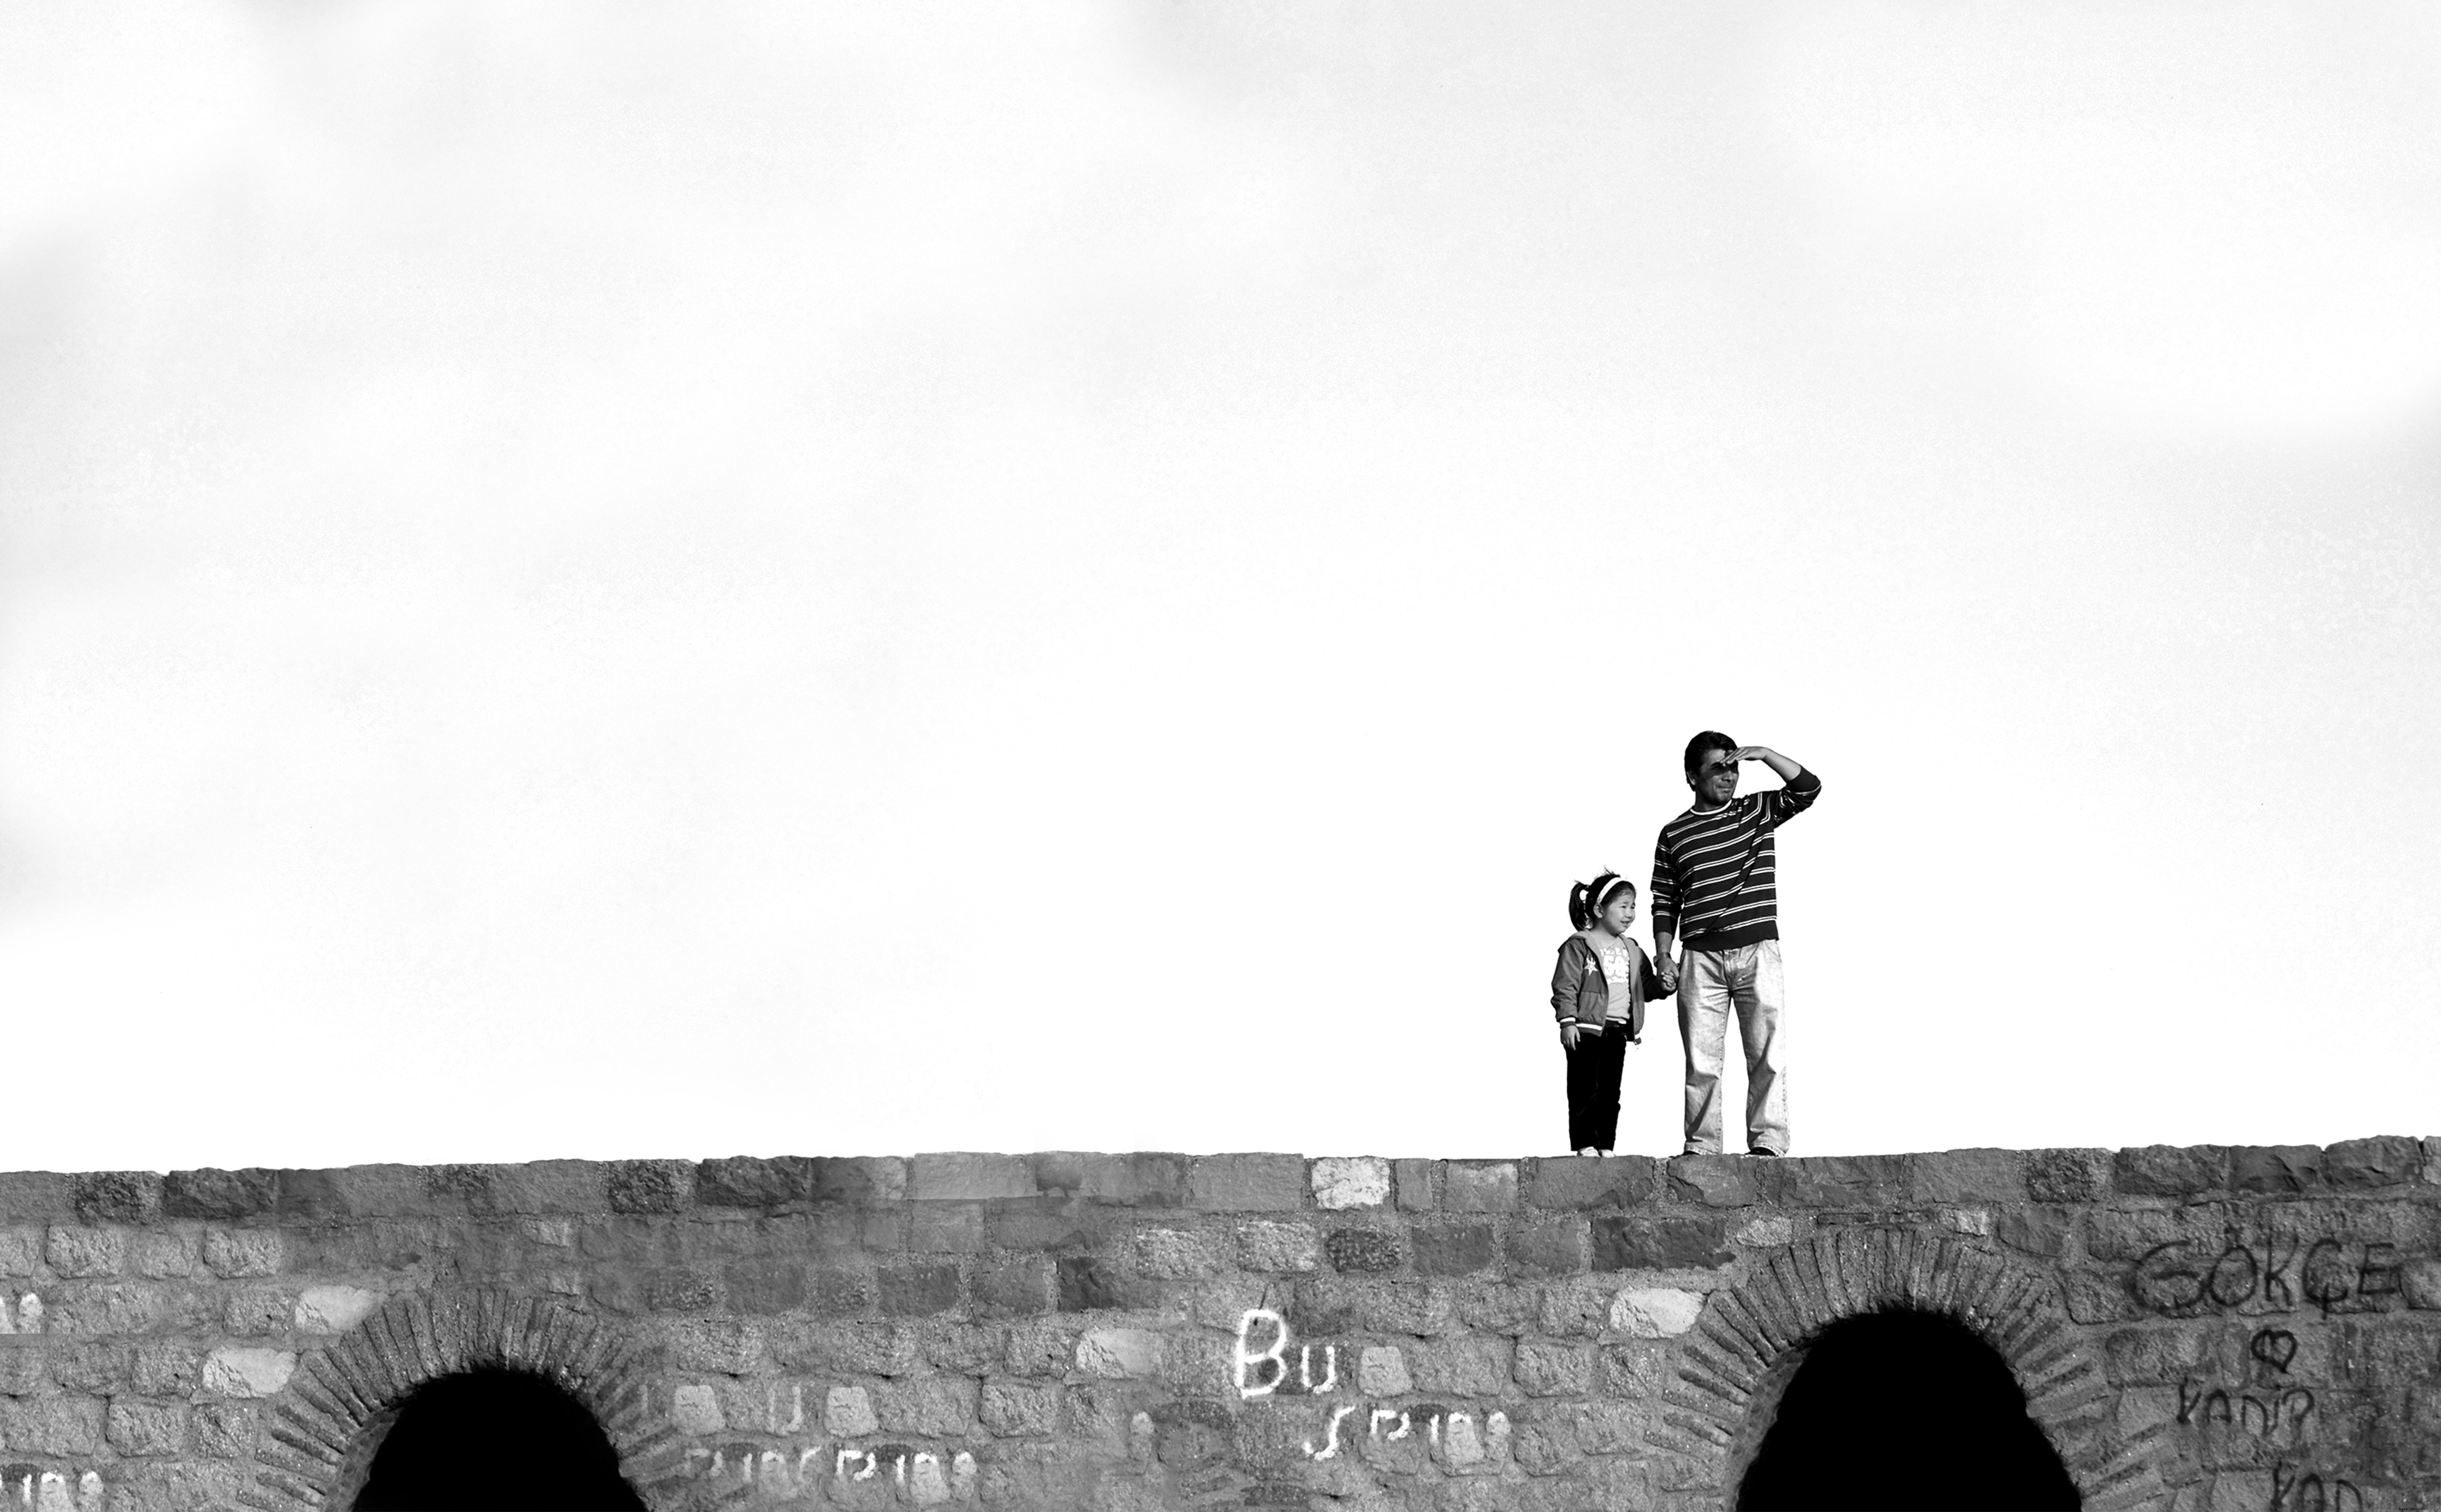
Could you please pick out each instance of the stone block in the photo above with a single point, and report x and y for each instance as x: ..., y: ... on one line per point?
x: 241, y: 1372
x: 96, y: 1369
x: 35, y: 1197
x: 2067, y: 1176
x: 2116, y: 1233
x: 931, y: 1407
x: 2097, y: 1297
x: 1418, y: 1184
x: 23, y: 1373
x: 765, y: 1287
x: 225, y: 1430
x: 1173, y: 1255
x: 1382, y: 1371
x: 1447, y: 1248
x: 917, y: 1290
x: 563, y: 1187
x: 1466, y: 1367
x: 2162, y: 1354
x: 840, y: 1293
x: 958, y: 1176
x: 1087, y: 1285
x: 147, y: 1428
x: 2035, y: 1231
x: 1592, y: 1181
x: 224, y: 1195
x: 2420, y: 1280
x: 1840, y: 1180
x: 1552, y: 1246
x: 163, y: 1370
x: 1362, y: 1252
x: 1654, y: 1312
x: 1632, y: 1241
x: 2390, y: 1159
x: 754, y: 1181
x: 1115, y: 1354
x: 81, y: 1252
x: 234, y: 1252
x: 1764, y: 1232
x: 2170, y: 1170
x: 945, y: 1228
x: 51, y: 1424
x: 650, y: 1186
x: 1579, y: 1308
x: 1247, y: 1183
x: 21, y: 1252
x: 333, y: 1309
x: 1015, y: 1410
x: 1278, y: 1248
x: 847, y: 1412
x: 161, y: 1252
x: 1554, y: 1370
x: 1015, y: 1286
x: 682, y: 1290
x: 1142, y: 1181
x: 1344, y: 1181
x: 116, y: 1196
x: 2275, y: 1169
x: 1714, y: 1180
x: 1479, y: 1186
x: 1961, y: 1176
x: 694, y: 1408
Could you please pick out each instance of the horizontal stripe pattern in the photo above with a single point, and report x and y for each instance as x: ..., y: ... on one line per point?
x: 1715, y: 874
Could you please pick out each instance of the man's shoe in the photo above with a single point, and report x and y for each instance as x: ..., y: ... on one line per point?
x: 1760, y: 1151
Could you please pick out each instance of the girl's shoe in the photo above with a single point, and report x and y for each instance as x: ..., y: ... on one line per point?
x: 1589, y: 1150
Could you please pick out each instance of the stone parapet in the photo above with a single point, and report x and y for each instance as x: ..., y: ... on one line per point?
x: 1071, y: 1329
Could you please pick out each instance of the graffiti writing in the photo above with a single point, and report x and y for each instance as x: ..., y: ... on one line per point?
x: 781, y: 1475
x: 1255, y: 1381
x: 2292, y: 1492
x: 49, y: 1491
x: 2180, y: 1279
x: 1260, y: 1371
x: 2271, y: 1406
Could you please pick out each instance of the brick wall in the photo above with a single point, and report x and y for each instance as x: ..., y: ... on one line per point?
x: 2206, y: 1327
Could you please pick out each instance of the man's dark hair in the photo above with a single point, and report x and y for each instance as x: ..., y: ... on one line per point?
x: 1709, y: 739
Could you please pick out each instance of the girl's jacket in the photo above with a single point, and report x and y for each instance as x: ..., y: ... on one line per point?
x: 1580, y: 990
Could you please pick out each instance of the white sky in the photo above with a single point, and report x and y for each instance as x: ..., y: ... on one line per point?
x: 582, y: 581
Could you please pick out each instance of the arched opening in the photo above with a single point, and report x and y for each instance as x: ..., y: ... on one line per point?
x: 1903, y: 1411
x: 491, y: 1439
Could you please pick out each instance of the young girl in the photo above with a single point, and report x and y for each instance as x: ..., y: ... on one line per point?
x: 1597, y: 993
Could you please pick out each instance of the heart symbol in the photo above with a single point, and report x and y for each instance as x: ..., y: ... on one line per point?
x: 2275, y: 1347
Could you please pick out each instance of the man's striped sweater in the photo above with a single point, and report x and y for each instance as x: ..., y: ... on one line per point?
x: 1712, y: 868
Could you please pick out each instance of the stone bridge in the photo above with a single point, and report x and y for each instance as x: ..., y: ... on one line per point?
x: 2211, y: 1327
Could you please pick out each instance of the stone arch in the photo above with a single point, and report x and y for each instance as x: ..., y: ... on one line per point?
x: 1748, y: 1338
x: 319, y: 1436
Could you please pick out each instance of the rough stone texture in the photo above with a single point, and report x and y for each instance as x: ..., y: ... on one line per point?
x: 1341, y: 1181
x: 1127, y: 1332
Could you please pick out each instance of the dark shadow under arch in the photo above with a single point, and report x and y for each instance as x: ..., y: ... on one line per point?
x: 1903, y: 1410
x: 488, y: 1439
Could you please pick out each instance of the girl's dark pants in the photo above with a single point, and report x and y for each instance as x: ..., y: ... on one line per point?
x: 1593, y: 1069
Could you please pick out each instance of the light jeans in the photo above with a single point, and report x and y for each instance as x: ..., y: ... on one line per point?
x: 1708, y: 983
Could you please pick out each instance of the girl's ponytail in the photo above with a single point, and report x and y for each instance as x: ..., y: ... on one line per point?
x: 1580, y: 915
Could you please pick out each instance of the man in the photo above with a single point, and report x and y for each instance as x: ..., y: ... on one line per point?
x: 1712, y: 880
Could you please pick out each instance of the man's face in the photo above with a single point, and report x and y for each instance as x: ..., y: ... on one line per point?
x: 1716, y: 777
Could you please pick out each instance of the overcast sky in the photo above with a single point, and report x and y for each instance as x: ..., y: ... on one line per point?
x: 606, y: 581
